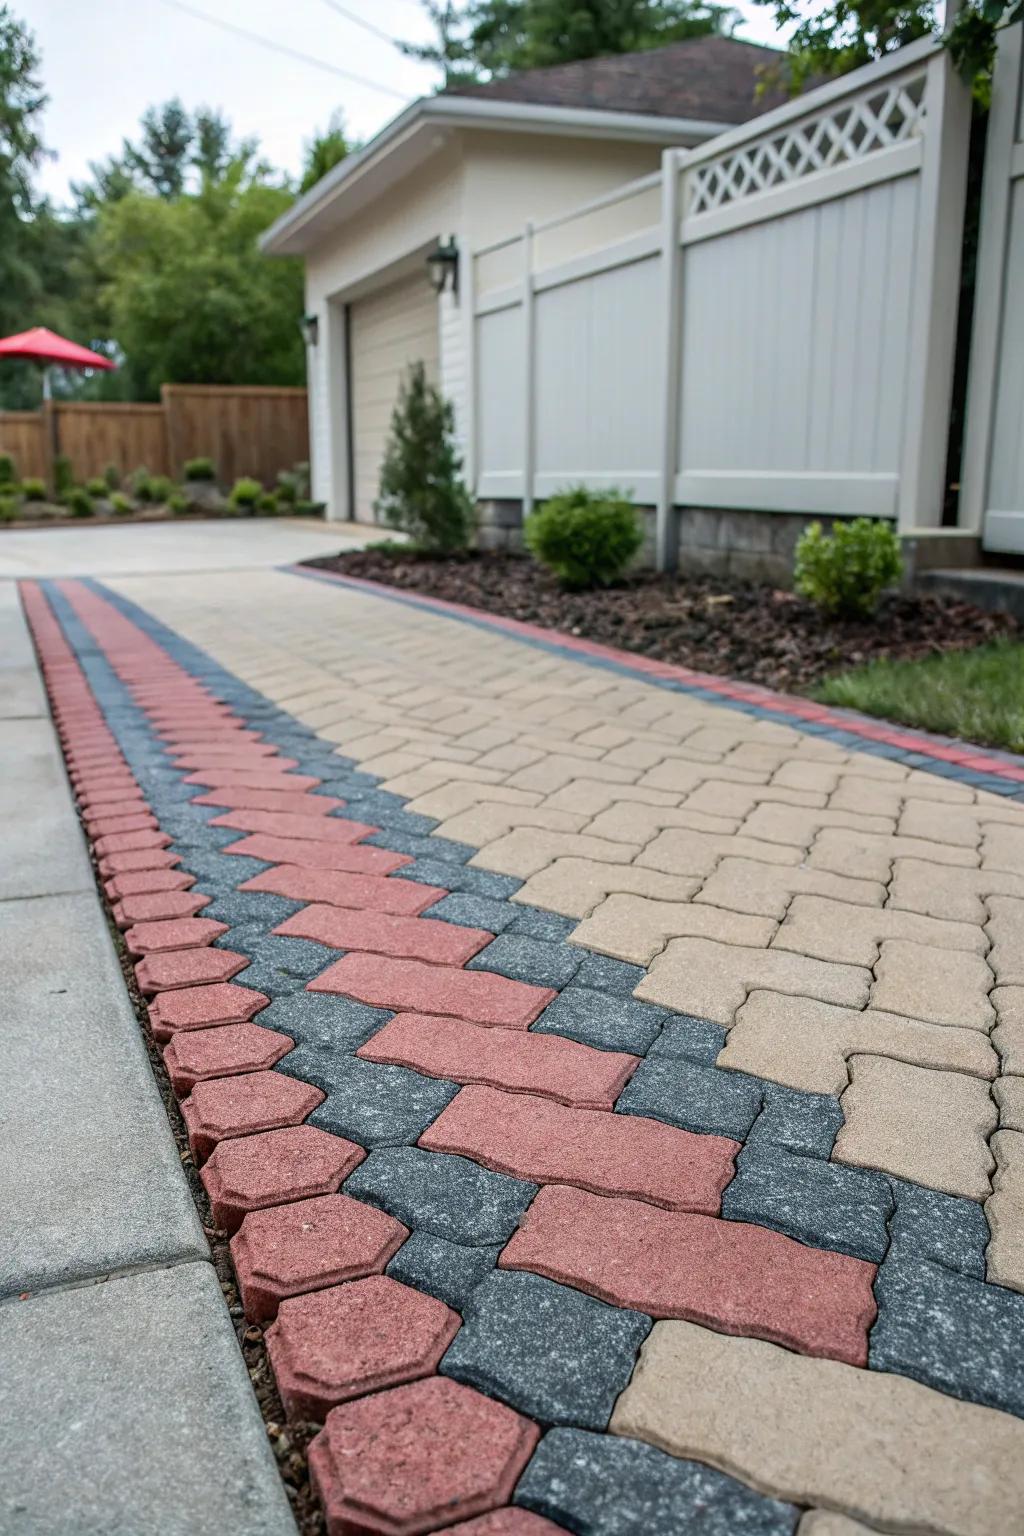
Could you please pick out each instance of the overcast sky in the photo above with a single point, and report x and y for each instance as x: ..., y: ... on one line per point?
x: 105, y: 61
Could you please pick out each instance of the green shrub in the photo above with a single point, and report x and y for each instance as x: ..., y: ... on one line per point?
x: 586, y: 537
x: 97, y: 486
x: 120, y: 503
x: 200, y: 469
x: 8, y: 472
x: 421, y: 488
x: 112, y: 477
x: 268, y: 504
x: 8, y: 509
x: 177, y: 503
x: 315, y: 509
x: 79, y: 502
x: 287, y: 489
x: 63, y: 477
x: 245, y: 492
x: 844, y: 572
x: 141, y: 483
x: 33, y: 490
x: 161, y: 489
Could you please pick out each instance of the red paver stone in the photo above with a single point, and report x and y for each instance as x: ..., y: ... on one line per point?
x: 505, y: 1522
x: 411, y: 986
x: 309, y: 806
x: 156, y: 906
x: 106, y: 826
x: 148, y: 881
x: 334, y: 829
x: 130, y: 842
x: 140, y: 858
x: 253, y: 778
x: 520, y: 1062
x: 726, y: 1275
x: 400, y: 1462
x: 308, y: 853
x: 417, y: 938
x: 187, y: 968
x: 114, y: 808
x: 547, y: 1143
x: 275, y: 1168
x: 402, y: 898
x: 224, y: 1051
x: 331, y: 1346
x: 225, y: 1107
x: 252, y: 752
x: 203, y: 1008
x: 289, y: 1249
x: 156, y: 938
x: 109, y: 796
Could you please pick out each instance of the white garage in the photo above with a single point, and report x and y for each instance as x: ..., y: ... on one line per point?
x: 388, y: 330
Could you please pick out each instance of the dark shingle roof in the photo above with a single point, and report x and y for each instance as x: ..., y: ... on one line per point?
x: 711, y: 79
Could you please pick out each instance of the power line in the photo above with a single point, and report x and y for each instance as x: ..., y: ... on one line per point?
x: 361, y: 21
x: 283, y: 49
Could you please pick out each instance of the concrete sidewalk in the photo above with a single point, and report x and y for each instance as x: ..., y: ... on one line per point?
x: 127, y: 1407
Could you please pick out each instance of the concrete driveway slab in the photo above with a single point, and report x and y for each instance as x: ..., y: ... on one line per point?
x: 128, y: 1409
x: 21, y: 690
x: 43, y: 851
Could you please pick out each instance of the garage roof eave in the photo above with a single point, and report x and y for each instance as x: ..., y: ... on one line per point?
x: 413, y: 135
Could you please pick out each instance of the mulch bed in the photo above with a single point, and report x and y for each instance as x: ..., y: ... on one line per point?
x: 736, y: 629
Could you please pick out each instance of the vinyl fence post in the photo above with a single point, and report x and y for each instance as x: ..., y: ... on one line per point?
x: 528, y: 370
x: 666, y: 531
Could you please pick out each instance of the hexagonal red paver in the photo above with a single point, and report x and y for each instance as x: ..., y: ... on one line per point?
x: 110, y: 808
x: 331, y: 1346
x: 268, y: 776
x: 289, y: 1249
x: 399, y: 1462
x: 187, y: 968
x: 411, y: 986
x: 226, y: 1107
x: 379, y: 933
x: 106, y: 826
x: 505, y: 1522
x: 203, y: 1007
x: 130, y: 842
x: 230, y: 1049
x: 274, y: 1168
x: 154, y: 906
x: 333, y: 829
x: 141, y: 858
x: 400, y: 898
x: 251, y: 752
x: 312, y: 853
x: 177, y: 933
x: 144, y: 882
x: 298, y: 804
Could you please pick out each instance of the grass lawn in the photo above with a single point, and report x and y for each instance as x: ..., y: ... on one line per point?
x: 977, y: 695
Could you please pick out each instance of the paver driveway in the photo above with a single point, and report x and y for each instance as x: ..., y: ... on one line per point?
x: 669, y: 1060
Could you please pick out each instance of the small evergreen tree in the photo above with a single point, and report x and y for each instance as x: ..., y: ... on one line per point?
x: 421, y: 487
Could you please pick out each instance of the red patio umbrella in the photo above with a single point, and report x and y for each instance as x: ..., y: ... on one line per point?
x: 48, y: 349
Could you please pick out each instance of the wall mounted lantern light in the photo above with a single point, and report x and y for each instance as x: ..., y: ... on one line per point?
x: 443, y: 266
x: 309, y: 325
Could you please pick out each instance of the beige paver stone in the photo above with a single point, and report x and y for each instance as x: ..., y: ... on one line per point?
x: 432, y: 774
x: 1008, y: 1035
x: 928, y: 1126
x: 678, y: 851
x: 819, y: 778
x: 884, y: 1449
x: 1009, y: 1095
x: 589, y: 797
x: 712, y: 980
x: 627, y: 822
x: 798, y: 826
x: 1005, y: 1211
x: 957, y: 894
x: 941, y: 985
x: 509, y: 759
x: 389, y: 764
x: 1002, y: 847
x: 460, y: 794
x: 869, y: 856
x: 963, y: 824
x: 880, y: 797
x: 834, y: 930
x: 737, y: 801
x: 684, y: 775
x: 574, y: 887
x: 805, y: 1044
x: 489, y: 820
x: 746, y: 885
x: 825, y: 1522
x: 1005, y: 928
x: 525, y: 850
x: 558, y: 769
x: 635, y: 928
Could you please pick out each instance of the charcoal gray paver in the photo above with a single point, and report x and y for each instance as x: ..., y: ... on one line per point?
x: 448, y: 1196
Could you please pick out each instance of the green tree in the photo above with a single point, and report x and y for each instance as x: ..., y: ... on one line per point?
x: 421, y: 486
x: 490, y: 38
x: 162, y: 156
x: 189, y: 296
x: 324, y: 151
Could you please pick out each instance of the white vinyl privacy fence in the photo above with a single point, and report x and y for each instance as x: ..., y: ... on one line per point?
x: 767, y: 323
x: 993, y: 467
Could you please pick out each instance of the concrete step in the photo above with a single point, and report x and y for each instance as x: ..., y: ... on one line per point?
x: 1000, y: 589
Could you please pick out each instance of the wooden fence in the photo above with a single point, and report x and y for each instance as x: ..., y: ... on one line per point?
x: 249, y: 430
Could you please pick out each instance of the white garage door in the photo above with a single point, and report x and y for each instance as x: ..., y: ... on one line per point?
x: 388, y: 331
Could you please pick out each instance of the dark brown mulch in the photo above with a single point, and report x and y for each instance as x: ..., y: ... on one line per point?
x: 712, y: 624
